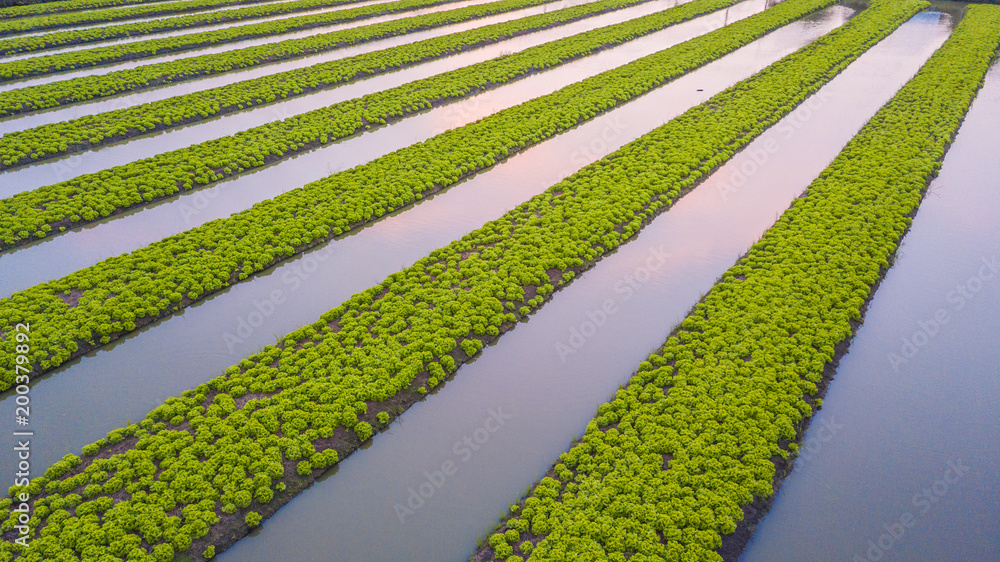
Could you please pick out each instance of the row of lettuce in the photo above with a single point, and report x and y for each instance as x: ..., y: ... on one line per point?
x: 49, y: 15
x: 33, y: 43
x: 91, y: 131
x: 84, y: 88
x: 105, y: 55
x: 102, y: 302
x: 664, y: 469
x: 240, y: 444
x: 26, y: 9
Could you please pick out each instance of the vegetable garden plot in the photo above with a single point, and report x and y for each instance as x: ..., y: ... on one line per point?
x: 666, y: 467
x: 410, y: 330
x: 553, y: 371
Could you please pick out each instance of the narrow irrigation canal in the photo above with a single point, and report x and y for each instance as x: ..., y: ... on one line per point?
x: 903, y: 461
